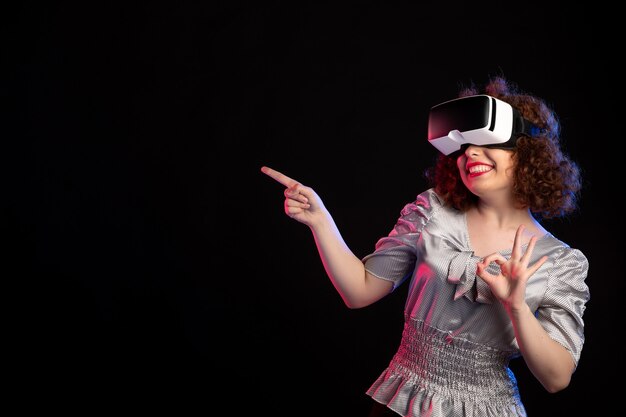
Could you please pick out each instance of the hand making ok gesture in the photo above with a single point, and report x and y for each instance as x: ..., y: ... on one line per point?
x: 510, y: 285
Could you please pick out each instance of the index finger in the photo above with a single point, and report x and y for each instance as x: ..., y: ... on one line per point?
x: 279, y: 176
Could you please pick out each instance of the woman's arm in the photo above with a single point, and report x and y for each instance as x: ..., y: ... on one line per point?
x: 550, y: 362
x: 346, y: 271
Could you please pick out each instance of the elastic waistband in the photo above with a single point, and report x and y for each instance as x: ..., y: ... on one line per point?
x: 435, y: 360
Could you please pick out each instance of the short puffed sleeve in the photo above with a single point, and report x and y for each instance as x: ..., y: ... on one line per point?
x: 394, y: 256
x: 561, y: 310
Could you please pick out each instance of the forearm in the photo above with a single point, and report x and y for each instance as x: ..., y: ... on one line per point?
x: 346, y: 270
x: 548, y: 360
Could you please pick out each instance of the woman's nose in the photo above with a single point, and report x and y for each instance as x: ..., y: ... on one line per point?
x: 472, y: 150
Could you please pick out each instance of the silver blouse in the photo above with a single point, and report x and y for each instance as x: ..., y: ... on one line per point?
x: 458, y: 340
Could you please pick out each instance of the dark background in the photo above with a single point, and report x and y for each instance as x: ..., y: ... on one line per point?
x: 149, y: 262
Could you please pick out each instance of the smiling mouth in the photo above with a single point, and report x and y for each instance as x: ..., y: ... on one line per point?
x: 479, y: 169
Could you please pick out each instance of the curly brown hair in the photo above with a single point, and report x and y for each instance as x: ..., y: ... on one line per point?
x: 546, y: 180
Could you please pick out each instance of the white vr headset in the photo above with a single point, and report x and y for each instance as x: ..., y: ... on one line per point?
x: 479, y: 120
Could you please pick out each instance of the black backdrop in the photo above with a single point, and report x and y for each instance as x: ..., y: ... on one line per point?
x: 156, y: 267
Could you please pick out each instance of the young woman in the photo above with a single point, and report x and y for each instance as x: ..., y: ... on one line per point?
x: 488, y: 282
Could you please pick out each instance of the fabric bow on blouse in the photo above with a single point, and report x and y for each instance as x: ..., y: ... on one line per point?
x: 462, y: 273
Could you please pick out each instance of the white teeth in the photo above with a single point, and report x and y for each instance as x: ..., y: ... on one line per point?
x: 479, y: 168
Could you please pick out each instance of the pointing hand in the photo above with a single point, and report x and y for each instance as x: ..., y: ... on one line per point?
x: 301, y: 202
